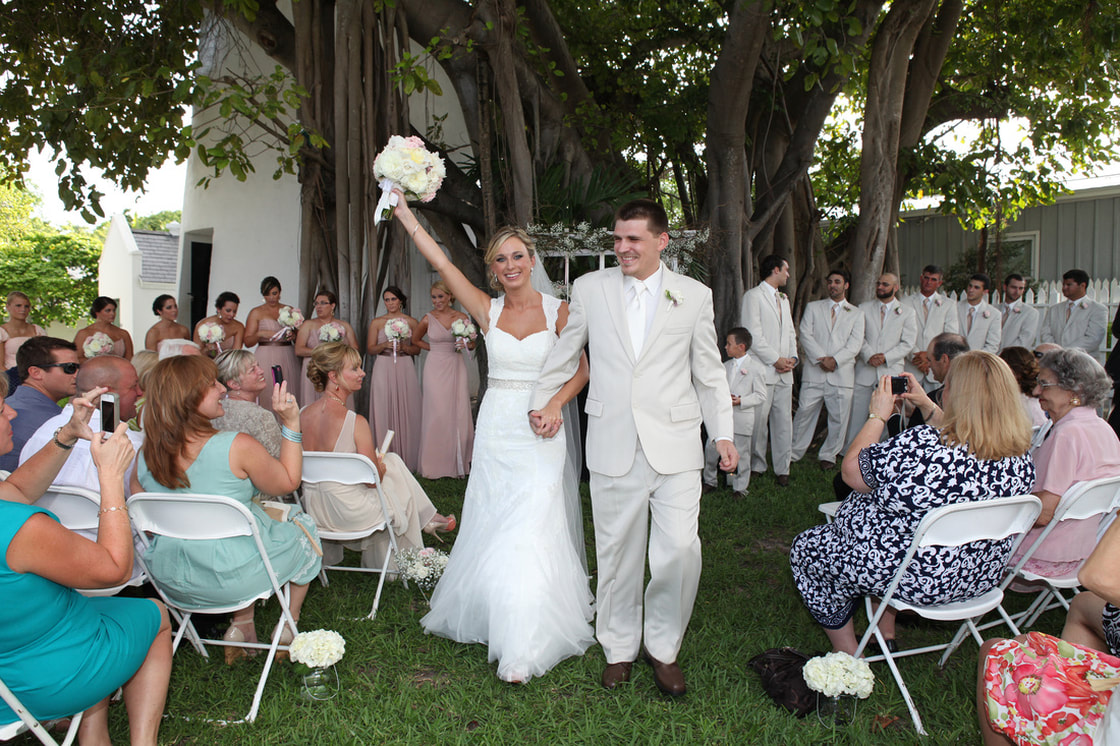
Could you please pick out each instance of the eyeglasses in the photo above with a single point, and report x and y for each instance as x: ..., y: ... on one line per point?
x: 67, y: 368
x: 1045, y: 384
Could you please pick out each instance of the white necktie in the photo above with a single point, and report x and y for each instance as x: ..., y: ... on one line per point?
x: 636, y: 316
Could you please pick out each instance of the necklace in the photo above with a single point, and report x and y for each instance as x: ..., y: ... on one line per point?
x: 340, y: 401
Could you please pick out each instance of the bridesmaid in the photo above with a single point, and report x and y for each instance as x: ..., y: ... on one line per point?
x: 261, y: 330
x: 394, y: 394
x: 167, y: 327
x: 104, y: 313
x: 446, y: 429
x: 17, y: 329
x: 309, y: 335
x: 226, y: 317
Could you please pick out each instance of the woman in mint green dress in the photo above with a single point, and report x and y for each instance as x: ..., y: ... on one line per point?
x: 183, y: 452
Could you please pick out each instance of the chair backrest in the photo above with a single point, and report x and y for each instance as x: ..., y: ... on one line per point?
x: 187, y: 516
x: 1038, y: 434
x: 76, y: 507
x: 1089, y: 498
x: 996, y: 518
x: 344, y: 468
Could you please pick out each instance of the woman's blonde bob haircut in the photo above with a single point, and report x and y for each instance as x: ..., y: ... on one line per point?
x: 500, y: 237
x: 329, y: 358
x: 981, y: 409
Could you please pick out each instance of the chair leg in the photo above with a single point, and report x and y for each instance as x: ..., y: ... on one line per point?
x: 381, y: 582
x: 914, y: 716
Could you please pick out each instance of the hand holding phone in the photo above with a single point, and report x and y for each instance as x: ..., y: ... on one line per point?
x: 109, y: 412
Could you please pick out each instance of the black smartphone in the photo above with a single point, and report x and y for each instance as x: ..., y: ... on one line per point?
x: 277, y: 374
x: 108, y: 412
x: 899, y: 385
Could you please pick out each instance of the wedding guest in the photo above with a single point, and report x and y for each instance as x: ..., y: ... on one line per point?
x: 272, y: 339
x: 323, y: 328
x: 1080, y: 446
x: 394, y: 393
x: 165, y: 307
x: 143, y: 361
x: 1024, y: 366
x: 245, y: 381
x: 172, y: 347
x: 233, y: 331
x: 934, y: 314
x: 104, y: 313
x: 184, y: 453
x: 974, y: 448
x: 47, y: 369
x: 1020, y: 321
x: 61, y: 652
x: 17, y: 329
x: 1078, y: 321
x: 330, y: 425
x: 1112, y: 367
x: 979, y: 322
x: 446, y: 428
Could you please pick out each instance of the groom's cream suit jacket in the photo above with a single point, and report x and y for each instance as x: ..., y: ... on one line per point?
x: 659, y: 398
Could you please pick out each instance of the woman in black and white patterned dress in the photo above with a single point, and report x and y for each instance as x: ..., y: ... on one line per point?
x: 973, y: 450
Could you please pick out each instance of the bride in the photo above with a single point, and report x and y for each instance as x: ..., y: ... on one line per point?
x: 516, y: 578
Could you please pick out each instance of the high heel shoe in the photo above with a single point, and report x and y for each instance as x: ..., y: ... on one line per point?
x: 440, y: 523
x: 236, y: 634
x: 286, y: 638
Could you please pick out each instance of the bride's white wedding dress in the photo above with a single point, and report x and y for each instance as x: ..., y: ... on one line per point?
x: 516, y: 579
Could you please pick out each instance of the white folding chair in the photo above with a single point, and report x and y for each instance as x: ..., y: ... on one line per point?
x: 1082, y: 501
x: 28, y: 722
x: 77, y: 509
x: 829, y: 509
x: 950, y: 526
x: 351, y: 468
x: 1038, y: 434
x: 195, y: 517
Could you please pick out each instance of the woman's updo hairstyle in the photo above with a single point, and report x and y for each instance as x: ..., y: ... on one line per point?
x: 329, y: 358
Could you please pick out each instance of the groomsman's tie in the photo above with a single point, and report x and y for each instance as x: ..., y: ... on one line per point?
x: 636, y: 316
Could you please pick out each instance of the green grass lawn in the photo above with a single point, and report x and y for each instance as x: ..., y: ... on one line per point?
x: 401, y: 686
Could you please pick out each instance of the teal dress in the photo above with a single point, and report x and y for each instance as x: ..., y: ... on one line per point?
x: 60, y: 652
x: 227, y: 572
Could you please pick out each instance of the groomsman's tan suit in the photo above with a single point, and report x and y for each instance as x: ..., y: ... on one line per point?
x: 985, y: 332
x: 644, y: 449
x: 746, y: 377
x: 1079, y: 323
x: 934, y: 316
x: 1020, y: 325
x: 891, y: 333
x: 766, y: 315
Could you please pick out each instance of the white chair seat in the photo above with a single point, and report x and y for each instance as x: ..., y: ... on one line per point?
x: 957, y: 610
x: 829, y: 510
x: 28, y: 722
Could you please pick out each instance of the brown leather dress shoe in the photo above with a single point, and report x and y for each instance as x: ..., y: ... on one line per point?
x: 783, y: 480
x: 827, y: 465
x: 667, y: 676
x: 615, y: 674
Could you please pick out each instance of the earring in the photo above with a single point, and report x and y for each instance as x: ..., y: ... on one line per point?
x: 1075, y: 402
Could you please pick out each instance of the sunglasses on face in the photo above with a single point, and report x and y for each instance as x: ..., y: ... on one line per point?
x: 67, y: 368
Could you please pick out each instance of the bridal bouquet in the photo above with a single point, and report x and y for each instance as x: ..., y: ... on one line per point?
x: 835, y: 674
x: 406, y: 165
x: 331, y: 332
x: 98, y: 343
x: 422, y: 566
x: 396, y: 330
x: 289, y: 319
x: 464, y: 331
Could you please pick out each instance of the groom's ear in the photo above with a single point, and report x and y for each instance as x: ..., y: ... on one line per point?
x: 662, y: 242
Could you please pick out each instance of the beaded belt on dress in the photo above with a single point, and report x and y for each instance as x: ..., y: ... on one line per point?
x: 507, y: 383
x: 272, y: 343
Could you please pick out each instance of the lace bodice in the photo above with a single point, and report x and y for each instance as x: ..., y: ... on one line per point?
x: 516, y: 359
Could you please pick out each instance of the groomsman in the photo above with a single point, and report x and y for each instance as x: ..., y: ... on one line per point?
x: 1020, y: 321
x: 935, y: 314
x: 889, y: 331
x: 978, y: 320
x: 831, y: 336
x: 1078, y: 321
x: 746, y: 377
x: 766, y: 315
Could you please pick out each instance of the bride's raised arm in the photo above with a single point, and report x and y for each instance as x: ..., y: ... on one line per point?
x: 475, y: 301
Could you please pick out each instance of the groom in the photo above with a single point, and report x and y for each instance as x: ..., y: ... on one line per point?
x: 655, y: 375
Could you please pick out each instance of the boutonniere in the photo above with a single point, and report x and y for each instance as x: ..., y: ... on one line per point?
x: 1083, y: 304
x: 674, y: 297
x: 847, y: 308
x: 898, y: 310
x: 987, y: 314
x: 1017, y: 309
x: 937, y: 302
x: 782, y: 296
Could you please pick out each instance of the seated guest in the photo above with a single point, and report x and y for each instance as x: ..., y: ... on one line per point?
x: 329, y: 425
x: 1024, y: 365
x: 1033, y: 690
x: 1081, y: 446
x: 184, y: 453
x: 172, y: 347
x: 60, y: 652
x: 47, y: 369
x: 943, y: 349
x: 244, y: 379
x: 973, y: 449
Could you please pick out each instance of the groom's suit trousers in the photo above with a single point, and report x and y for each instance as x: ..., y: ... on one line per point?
x: 626, y: 509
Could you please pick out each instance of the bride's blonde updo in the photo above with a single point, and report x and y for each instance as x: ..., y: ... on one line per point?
x: 329, y: 358
x: 500, y: 237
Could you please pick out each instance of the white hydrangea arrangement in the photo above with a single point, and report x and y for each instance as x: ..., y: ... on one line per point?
x: 321, y: 648
x: 98, y: 343
x: 290, y: 317
x: 407, y: 165
x: 211, y: 332
x: 463, y: 329
x: 397, y: 329
x: 331, y: 332
x: 839, y: 673
x: 422, y: 566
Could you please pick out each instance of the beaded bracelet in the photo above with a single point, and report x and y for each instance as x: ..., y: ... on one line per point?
x: 115, y: 507
x: 59, y: 443
x: 289, y: 434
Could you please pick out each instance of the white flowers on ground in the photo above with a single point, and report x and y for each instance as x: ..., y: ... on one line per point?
x: 422, y: 566
x: 321, y: 648
x: 397, y: 329
x: 331, y: 332
x: 211, y: 332
x: 98, y: 343
x: 839, y: 673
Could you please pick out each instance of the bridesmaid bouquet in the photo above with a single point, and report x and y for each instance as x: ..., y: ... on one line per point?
x: 331, y: 332
x: 422, y: 566
x: 396, y: 330
x: 464, y: 332
x: 289, y: 319
x: 98, y: 343
x: 213, y: 334
x: 405, y: 164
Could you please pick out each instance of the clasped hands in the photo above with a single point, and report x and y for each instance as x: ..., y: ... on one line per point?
x: 546, y: 422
